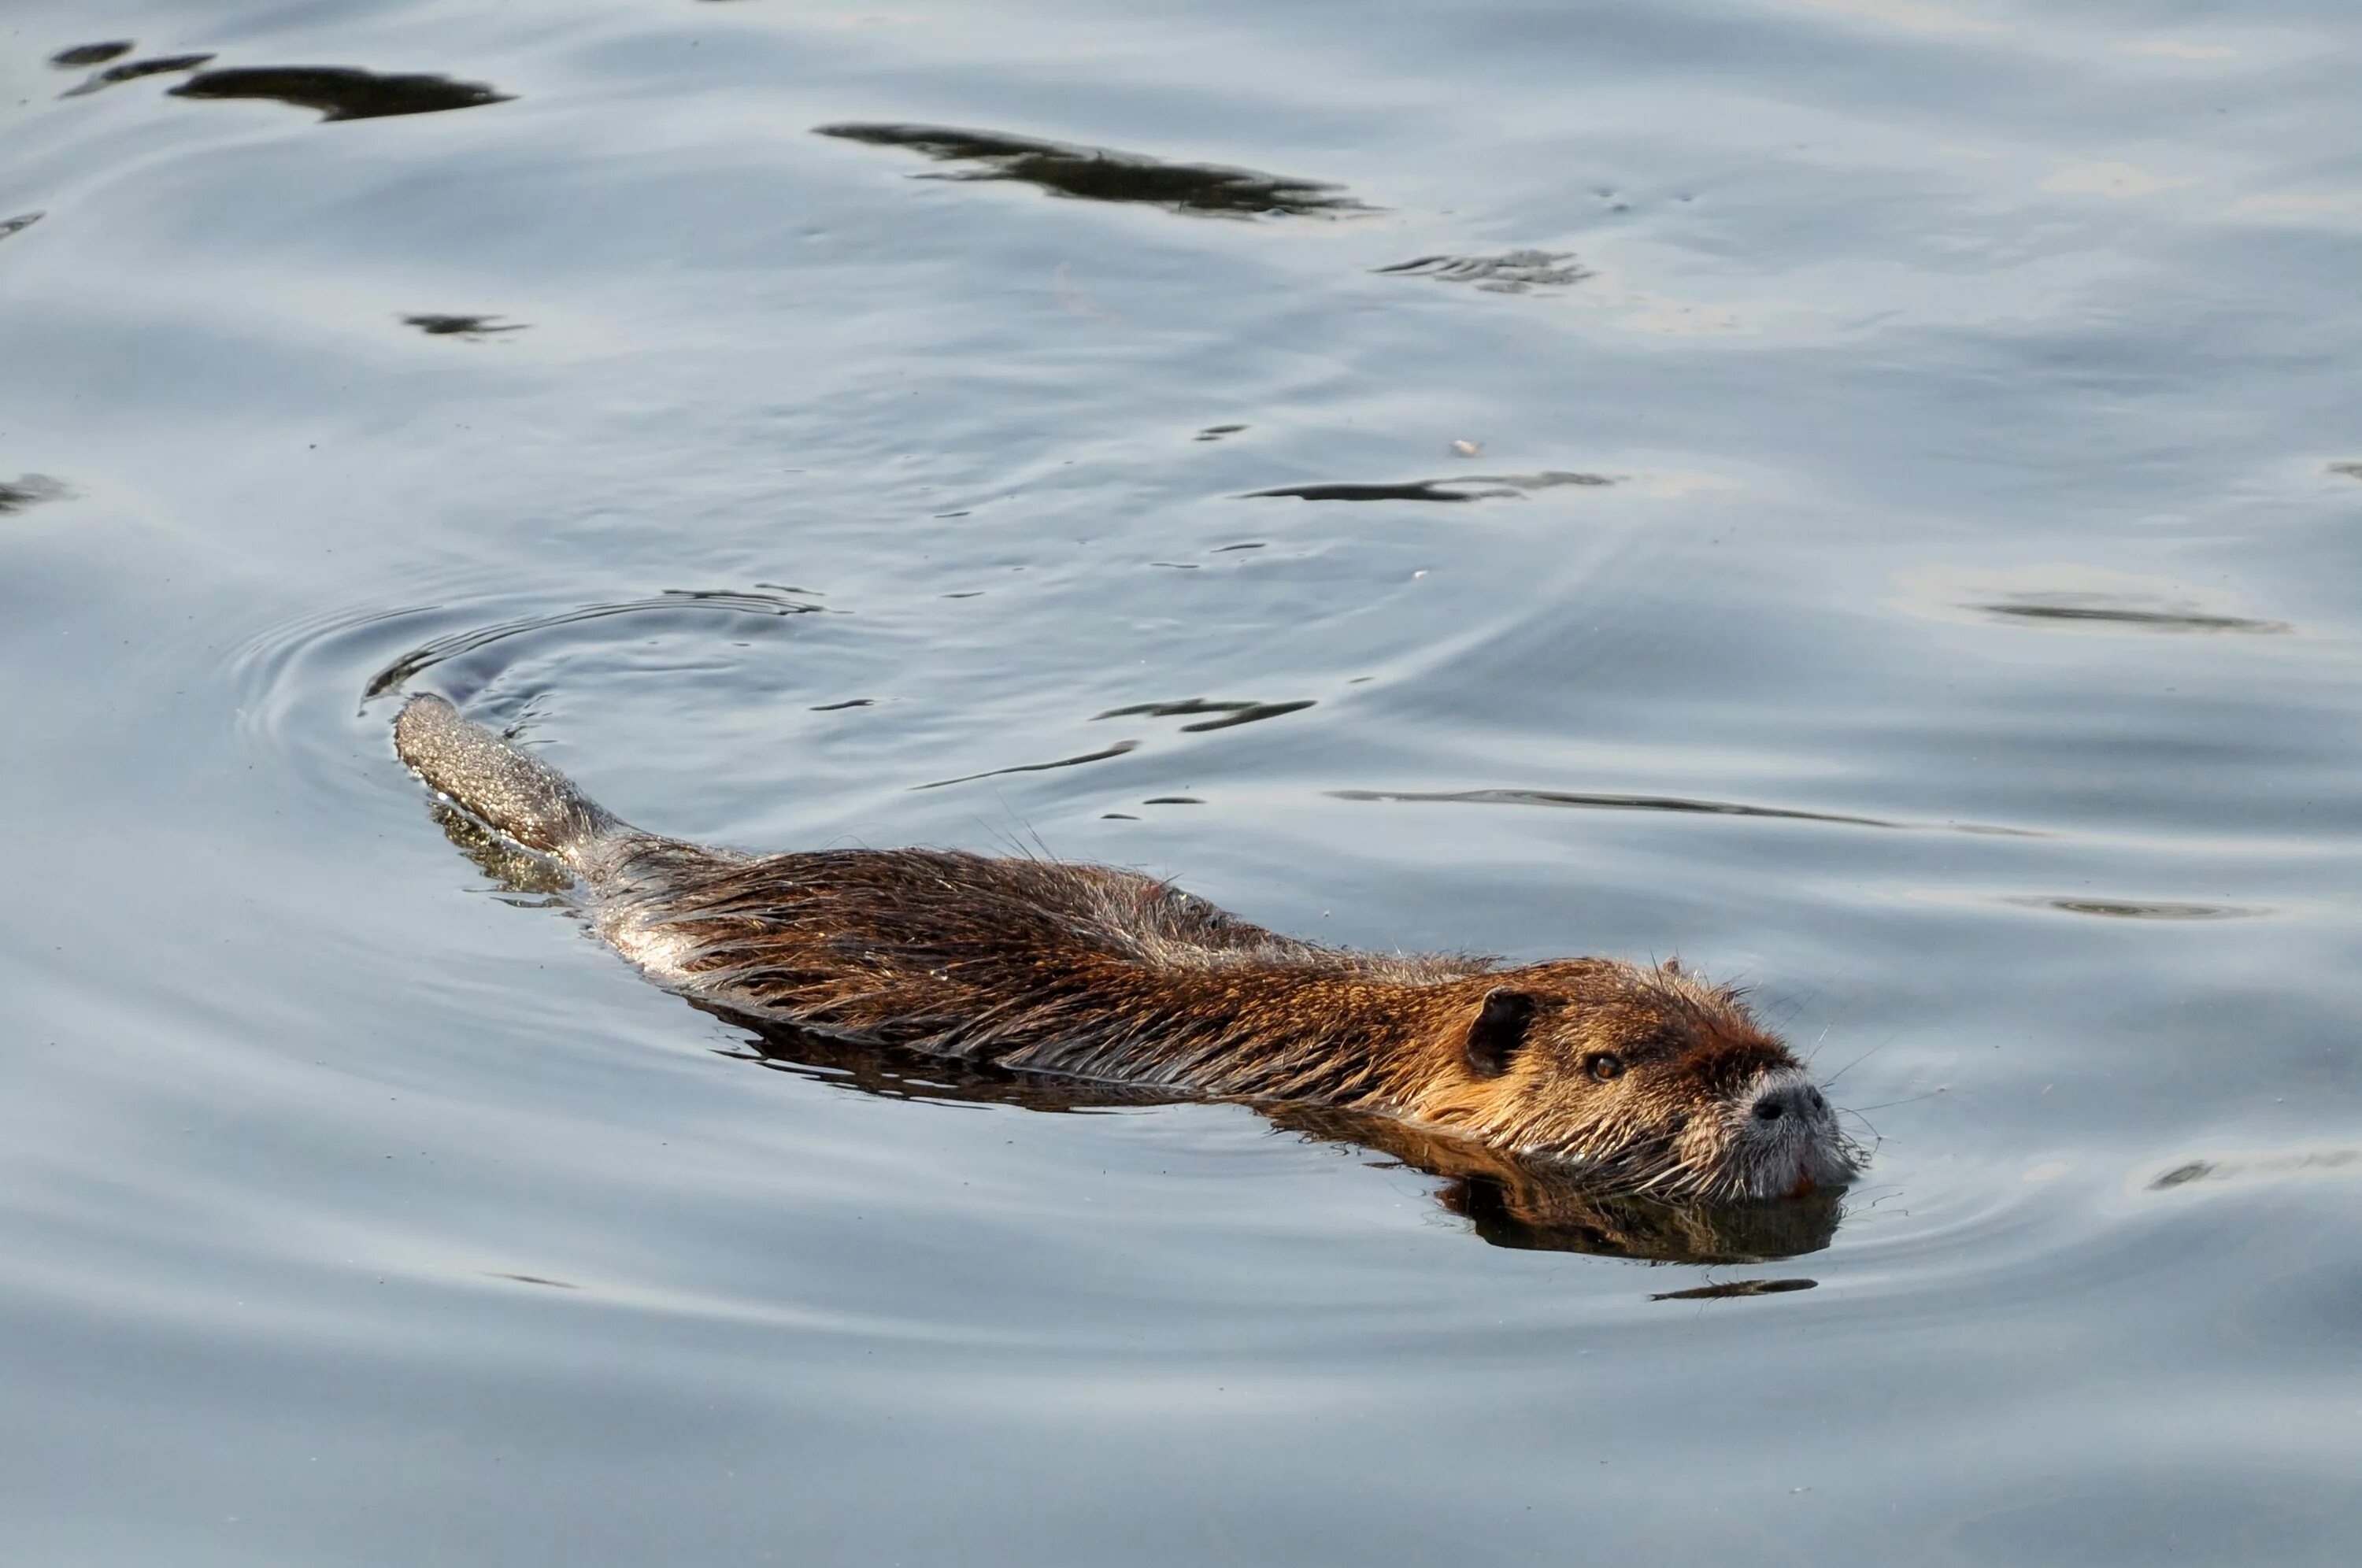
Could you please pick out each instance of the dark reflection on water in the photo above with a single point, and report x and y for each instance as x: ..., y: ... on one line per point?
x: 1737, y: 1288
x: 342, y: 93
x: 18, y: 224
x: 2073, y: 610
x: 27, y: 490
x: 1611, y: 803
x: 1506, y: 1202
x: 2134, y: 909
x: 134, y: 70
x: 1104, y: 754
x: 1512, y: 272
x: 1530, y: 1207
x: 470, y: 326
x: 90, y: 54
x: 1488, y: 487
x: 526, y: 879
x: 1229, y: 713
x: 2262, y: 1166
x: 1102, y: 174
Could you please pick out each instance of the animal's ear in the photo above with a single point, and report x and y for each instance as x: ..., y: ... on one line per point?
x: 1497, y: 1031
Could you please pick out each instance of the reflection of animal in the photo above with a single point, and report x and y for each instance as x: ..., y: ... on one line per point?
x: 1526, y: 1206
x: 1645, y: 1078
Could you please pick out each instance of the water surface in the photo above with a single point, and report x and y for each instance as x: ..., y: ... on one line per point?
x: 1860, y: 494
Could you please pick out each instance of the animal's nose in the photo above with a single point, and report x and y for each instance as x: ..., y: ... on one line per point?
x: 1791, y: 1100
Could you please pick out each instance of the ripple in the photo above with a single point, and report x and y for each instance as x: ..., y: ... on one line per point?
x: 1229, y: 713
x: 342, y: 93
x: 134, y: 70
x: 82, y: 55
x: 2131, y: 909
x: 2064, y: 607
x: 1511, y: 272
x: 2267, y: 1165
x: 672, y: 601
x: 2074, y: 598
x: 1102, y: 174
x: 467, y: 326
x: 1735, y: 1289
x: 1120, y: 748
x: 1676, y: 803
x: 1492, y: 487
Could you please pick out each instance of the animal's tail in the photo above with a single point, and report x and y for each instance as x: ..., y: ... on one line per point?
x: 514, y: 791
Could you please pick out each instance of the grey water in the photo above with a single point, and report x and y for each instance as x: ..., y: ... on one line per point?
x: 1865, y: 495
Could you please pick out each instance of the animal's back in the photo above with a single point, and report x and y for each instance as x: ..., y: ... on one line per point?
x: 1002, y: 958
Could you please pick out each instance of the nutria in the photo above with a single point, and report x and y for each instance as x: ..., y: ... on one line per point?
x: 1648, y: 1080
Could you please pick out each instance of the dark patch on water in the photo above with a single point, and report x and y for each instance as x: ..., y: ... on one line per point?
x: 1607, y: 802
x: 18, y: 224
x: 848, y: 703
x: 1173, y: 801
x: 1230, y: 713
x: 535, y: 1279
x: 1119, y: 749
x: 1226, y: 549
x: 343, y: 92
x: 1215, y: 432
x: 470, y: 326
x: 701, y: 601
x: 2130, y: 908
x: 2347, y: 470
x: 2266, y: 1165
x: 1489, y: 487
x: 1103, y: 175
x: 82, y: 55
x: 135, y: 70
x: 28, y: 490
x: 1512, y: 272
x: 1253, y: 713
x: 2094, y: 610
x: 1735, y: 1289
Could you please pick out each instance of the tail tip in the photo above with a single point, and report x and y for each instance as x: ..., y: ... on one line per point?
x: 420, y: 717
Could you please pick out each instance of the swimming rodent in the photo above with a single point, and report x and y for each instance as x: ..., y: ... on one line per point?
x: 1646, y: 1079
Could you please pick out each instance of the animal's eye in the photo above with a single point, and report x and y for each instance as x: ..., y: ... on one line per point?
x: 1603, y: 1066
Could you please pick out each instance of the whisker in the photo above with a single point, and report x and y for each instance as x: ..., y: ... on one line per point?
x: 1858, y: 1061
x: 1913, y: 1101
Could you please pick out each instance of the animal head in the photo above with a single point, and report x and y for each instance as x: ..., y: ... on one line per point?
x: 1648, y: 1079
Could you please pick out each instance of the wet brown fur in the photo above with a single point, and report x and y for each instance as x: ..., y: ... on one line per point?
x: 1042, y: 966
